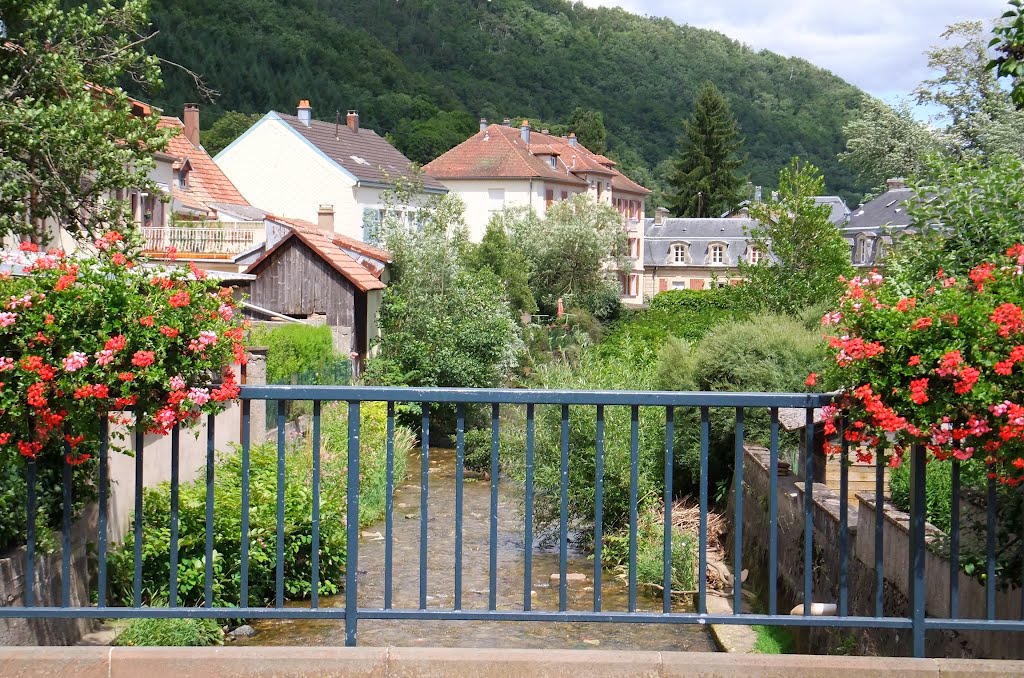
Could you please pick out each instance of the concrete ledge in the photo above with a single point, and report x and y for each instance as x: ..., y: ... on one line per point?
x: 359, y: 662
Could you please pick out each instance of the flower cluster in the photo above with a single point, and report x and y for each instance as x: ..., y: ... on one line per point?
x: 940, y: 366
x: 87, y: 337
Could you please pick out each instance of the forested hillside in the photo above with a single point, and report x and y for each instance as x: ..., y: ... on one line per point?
x: 426, y: 70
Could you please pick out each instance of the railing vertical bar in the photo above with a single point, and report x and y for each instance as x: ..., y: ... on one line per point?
x: 954, y: 541
x: 243, y: 594
x: 352, y: 526
x: 737, y: 577
x: 389, y: 502
x: 279, y: 574
x: 915, y: 583
x: 30, y: 533
x: 702, y: 556
x: 424, y: 487
x: 101, y: 536
x: 211, y: 444
x: 65, y: 540
x: 460, y: 450
x: 563, y: 513
x: 666, y: 601
x: 990, y: 550
x: 137, y: 563
x: 172, y: 599
x: 634, y: 482
x: 314, y: 561
x: 844, y: 517
x: 492, y: 588
x: 879, y: 531
x: 528, y: 518
x: 599, y: 509
x: 808, y: 511
x: 773, y: 514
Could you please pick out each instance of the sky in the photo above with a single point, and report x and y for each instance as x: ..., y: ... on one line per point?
x: 877, y: 45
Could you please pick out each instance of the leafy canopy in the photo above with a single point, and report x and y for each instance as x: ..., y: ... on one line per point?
x: 807, y: 251
x: 68, y: 136
x: 1009, y: 43
x: 705, y: 177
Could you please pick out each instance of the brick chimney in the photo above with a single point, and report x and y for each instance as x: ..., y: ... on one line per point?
x: 524, y: 132
x: 893, y: 184
x: 305, y: 112
x: 660, y: 215
x: 483, y: 124
x: 191, y: 119
x: 572, y: 139
x: 325, y: 218
x: 352, y: 120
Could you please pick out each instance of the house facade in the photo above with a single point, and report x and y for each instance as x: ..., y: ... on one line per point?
x: 503, y: 166
x: 695, y: 254
x: 874, y: 226
x: 290, y: 165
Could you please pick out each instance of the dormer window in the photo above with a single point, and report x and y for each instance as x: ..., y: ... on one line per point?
x: 553, y: 161
x: 716, y: 254
x: 862, y: 249
x: 755, y: 256
x: 678, y: 253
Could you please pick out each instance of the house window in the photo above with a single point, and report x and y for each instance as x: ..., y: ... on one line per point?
x: 862, y: 250
x: 678, y: 254
x: 634, y: 247
x: 549, y: 197
x: 679, y: 284
x: 717, y: 254
x: 565, y: 195
x: 755, y: 256
x: 553, y: 161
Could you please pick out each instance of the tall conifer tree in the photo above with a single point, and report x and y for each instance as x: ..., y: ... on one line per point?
x: 705, y: 180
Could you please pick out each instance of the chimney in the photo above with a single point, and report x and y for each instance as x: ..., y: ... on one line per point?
x: 352, y: 120
x: 191, y: 119
x: 507, y: 122
x: 893, y: 184
x: 305, y: 112
x: 660, y: 214
x: 544, y: 131
x: 524, y: 132
x: 483, y: 124
x: 325, y: 218
x: 572, y: 139
x: 757, y: 194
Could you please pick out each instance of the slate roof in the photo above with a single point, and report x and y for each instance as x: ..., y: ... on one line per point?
x: 500, y: 152
x: 206, y: 182
x: 698, y: 234
x: 364, y: 154
x: 888, y: 209
x: 840, y: 212
x: 322, y: 243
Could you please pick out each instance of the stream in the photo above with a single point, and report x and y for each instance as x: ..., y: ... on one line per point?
x: 441, y: 577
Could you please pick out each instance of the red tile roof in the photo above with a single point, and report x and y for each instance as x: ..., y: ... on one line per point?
x: 499, y: 152
x: 206, y: 182
x: 324, y: 244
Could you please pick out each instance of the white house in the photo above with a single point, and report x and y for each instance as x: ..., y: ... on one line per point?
x: 503, y: 166
x: 291, y: 165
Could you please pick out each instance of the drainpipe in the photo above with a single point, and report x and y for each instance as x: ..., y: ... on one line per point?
x: 531, y: 193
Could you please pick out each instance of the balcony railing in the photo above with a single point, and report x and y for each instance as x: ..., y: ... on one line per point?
x: 570, y: 405
x: 208, y: 239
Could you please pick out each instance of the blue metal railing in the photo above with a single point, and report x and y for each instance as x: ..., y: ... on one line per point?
x: 670, y: 402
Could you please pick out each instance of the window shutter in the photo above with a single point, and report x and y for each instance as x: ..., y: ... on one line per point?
x: 663, y: 284
x: 696, y: 283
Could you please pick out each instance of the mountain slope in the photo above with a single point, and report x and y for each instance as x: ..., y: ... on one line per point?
x: 425, y: 70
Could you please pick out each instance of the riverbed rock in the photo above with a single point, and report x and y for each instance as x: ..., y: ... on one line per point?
x: 375, y: 536
x: 410, y: 516
x: 243, y: 631
x: 570, y: 578
x: 591, y: 641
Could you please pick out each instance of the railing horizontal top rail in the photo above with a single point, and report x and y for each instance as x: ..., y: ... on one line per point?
x: 535, y: 396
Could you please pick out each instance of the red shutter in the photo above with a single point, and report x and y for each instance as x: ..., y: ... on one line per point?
x: 663, y: 284
x: 549, y: 197
x: 696, y: 283
x: 565, y: 195
x: 734, y: 282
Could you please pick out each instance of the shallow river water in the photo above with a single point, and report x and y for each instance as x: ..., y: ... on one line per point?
x: 441, y: 577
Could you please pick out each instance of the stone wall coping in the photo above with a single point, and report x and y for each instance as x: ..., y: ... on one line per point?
x: 394, y: 662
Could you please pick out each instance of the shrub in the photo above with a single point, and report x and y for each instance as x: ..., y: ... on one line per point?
x: 263, y: 518
x: 650, y: 553
x: 295, y: 349
x: 171, y: 633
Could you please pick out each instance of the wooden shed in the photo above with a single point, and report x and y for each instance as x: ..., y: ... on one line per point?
x: 309, y: 273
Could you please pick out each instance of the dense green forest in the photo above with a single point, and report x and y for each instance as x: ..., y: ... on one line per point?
x: 425, y: 70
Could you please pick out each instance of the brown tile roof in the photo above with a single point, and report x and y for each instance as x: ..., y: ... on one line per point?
x: 499, y: 152
x: 206, y: 182
x: 324, y: 245
x: 340, y: 240
x: 343, y: 146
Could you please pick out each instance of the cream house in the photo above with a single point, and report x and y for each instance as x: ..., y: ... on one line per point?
x: 290, y: 165
x: 503, y: 166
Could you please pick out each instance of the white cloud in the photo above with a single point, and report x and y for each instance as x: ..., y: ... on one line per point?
x: 877, y: 45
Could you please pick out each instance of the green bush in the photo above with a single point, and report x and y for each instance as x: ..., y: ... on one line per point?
x: 171, y: 633
x: 650, y: 553
x: 297, y: 349
x: 263, y: 518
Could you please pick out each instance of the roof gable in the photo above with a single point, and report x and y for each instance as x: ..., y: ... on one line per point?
x: 207, y: 183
